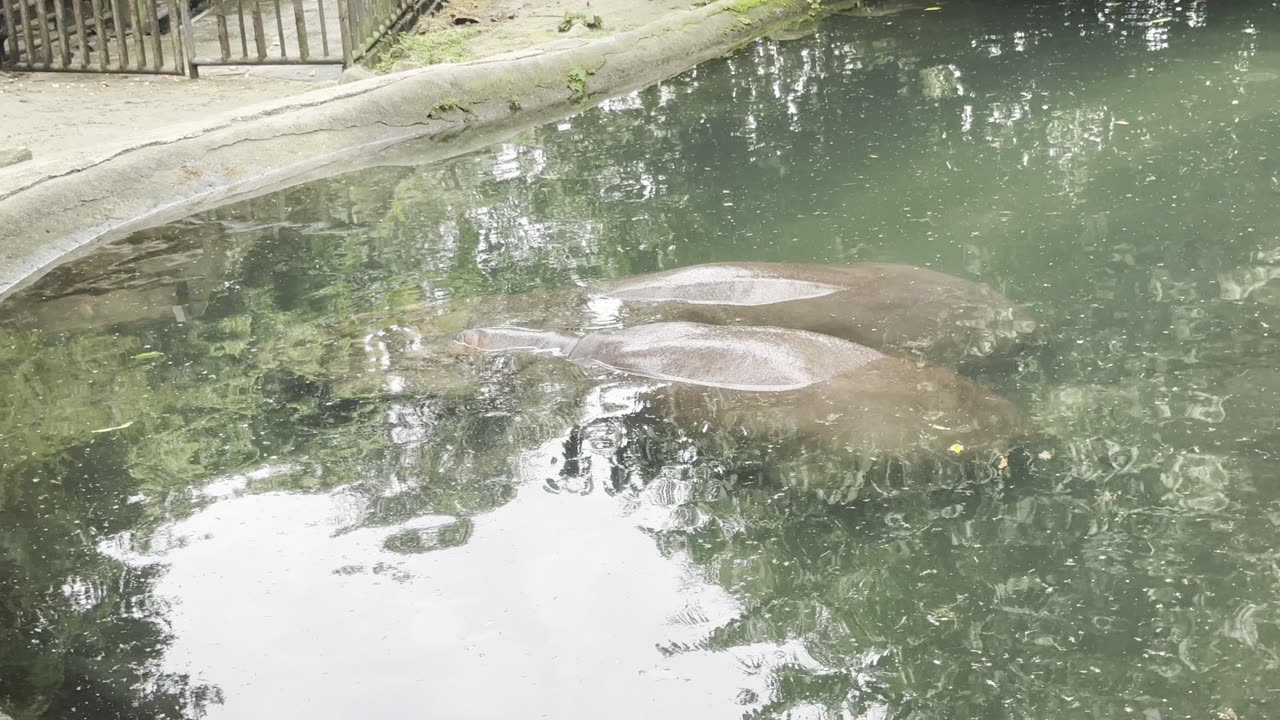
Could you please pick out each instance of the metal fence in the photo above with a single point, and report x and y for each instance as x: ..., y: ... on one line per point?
x: 371, y: 20
x: 166, y: 36
x: 89, y: 35
x: 263, y: 33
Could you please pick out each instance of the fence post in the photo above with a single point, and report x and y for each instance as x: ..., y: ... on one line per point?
x: 344, y: 27
x: 224, y: 42
x: 259, y: 30
x: 82, y: 37
x: 300, y: 19
x: 11, y: 30
x: 175, y: 38
x: 104, y: 40
x: 42, y: 24
x: 188, y: 38
x: 60, y: 29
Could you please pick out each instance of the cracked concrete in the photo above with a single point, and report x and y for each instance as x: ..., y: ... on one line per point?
x: 56, y: 210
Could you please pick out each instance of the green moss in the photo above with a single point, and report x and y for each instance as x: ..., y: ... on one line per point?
x: 577, y: 84
x: 445, y: 106
x: 593, y: 22
x: 742, y: 6
x: 740, y: 9
x: 444, y: 46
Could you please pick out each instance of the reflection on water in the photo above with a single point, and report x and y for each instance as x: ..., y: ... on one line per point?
x: 241, y: 475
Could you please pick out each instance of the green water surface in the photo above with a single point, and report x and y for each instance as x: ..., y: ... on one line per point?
x: 234, y: 485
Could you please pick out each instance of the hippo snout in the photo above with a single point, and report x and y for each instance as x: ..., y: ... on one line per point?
x: 1024, y: 325
x: 1016, y: 330
x: 1000, y: 419
x: 471, y: 338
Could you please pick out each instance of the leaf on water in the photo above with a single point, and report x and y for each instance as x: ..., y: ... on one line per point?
x: 956, y: 448
x: 1004, y: 463
x: 661, y: 673
x: 932, y: 9
x: 117, y: 427
x: 1119, y: 122
x: 151, y: 355
x: 1045, y: 455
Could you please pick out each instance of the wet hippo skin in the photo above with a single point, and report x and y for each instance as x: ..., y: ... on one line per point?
x: 766, y: 379
x: 894, y: 308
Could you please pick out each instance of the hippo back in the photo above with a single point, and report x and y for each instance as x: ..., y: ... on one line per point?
x: 891, y: 307
x: 732, y: 284
x: 758, y: 359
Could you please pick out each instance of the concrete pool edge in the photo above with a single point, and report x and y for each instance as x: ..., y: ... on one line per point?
x: 59, y: 209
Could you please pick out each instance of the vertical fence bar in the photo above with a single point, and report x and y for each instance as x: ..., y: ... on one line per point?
x: 139, y: 33
x: 259, y: 31
x: 344, y: 31
x: 60, y: 28
x: 77, y: 9
x: 188, y: 37
x: 157, y: 43
x: 119, y: 20
x: 11, y: 30
x: 104, y: 47
x: 175, y: 37
x: 299, y: 17
x: 280, y: 28
x: 26, y: 32
x: 244, y: 36
x: 46, y: 48
x: 224, y: 42
x: 324, y: 33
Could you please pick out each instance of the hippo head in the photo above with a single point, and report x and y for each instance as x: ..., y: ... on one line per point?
x: 993, y: 329
x: 473, y: 338
x: 960, y: 412
x: 1007, y: 331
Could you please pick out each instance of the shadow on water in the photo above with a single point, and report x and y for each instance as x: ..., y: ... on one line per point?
x: 246, y: 432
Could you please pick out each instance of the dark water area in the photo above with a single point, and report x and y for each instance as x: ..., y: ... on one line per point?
x: 243, y: 476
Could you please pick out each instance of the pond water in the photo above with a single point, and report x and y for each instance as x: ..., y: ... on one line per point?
x: 230, y: 487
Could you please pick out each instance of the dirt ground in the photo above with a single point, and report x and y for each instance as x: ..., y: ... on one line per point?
x: 73, y: 112
x: 48, y: 112
x: 513, y: 25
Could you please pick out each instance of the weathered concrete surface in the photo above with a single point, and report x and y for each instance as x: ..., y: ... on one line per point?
x: 14, y: 155
x: 51, y: 211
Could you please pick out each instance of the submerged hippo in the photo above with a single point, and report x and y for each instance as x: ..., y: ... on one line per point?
x: 760, y: 379
x: 894, y: 308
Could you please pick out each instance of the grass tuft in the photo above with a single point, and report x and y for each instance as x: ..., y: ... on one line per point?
x: 433, y: 48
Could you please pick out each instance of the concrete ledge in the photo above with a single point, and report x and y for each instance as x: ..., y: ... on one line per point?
x: 53, y: 210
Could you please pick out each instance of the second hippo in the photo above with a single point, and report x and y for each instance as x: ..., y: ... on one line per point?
x: 761, y: 379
